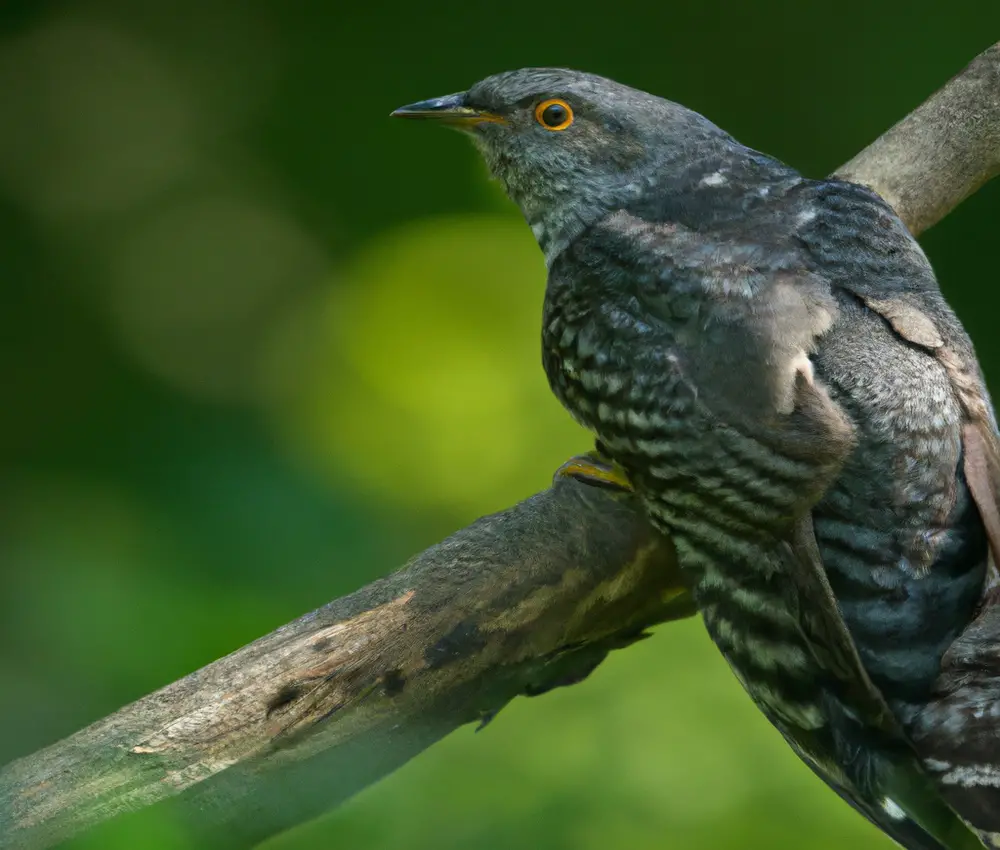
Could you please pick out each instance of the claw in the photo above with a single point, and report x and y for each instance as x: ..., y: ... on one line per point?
x: 486, y: 717
x: 597, y: 469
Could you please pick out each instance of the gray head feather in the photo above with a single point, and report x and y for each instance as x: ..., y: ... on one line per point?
x: 619, y: 141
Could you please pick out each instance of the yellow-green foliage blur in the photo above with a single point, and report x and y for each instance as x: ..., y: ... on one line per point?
x: 259, y: 344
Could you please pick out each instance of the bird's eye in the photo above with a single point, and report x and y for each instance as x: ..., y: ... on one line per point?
x: 554, y: 114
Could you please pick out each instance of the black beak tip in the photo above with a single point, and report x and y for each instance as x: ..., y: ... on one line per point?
x: 442, y: 106
x: 402, y: 112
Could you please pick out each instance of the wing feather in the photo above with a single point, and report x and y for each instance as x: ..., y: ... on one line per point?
x: 958, y: 733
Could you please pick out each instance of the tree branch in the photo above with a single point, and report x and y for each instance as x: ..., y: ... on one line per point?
x: 517, y: 603
x: 304, y: 717
x: 940, y: 153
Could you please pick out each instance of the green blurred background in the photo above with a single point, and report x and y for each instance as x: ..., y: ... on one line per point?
x: 259, y: 344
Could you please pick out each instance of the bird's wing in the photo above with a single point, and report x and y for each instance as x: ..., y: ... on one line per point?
x: 957, y: 735
x: 874, y: 766
x: 908, y: 315
x: 958, y: 732
x: 884, y: 780
x: 905, y: 294
x: 904, y: 831
x: 741, y: 321
x: 865, y: 756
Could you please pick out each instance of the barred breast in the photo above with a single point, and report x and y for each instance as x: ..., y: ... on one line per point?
x: 718, y: 493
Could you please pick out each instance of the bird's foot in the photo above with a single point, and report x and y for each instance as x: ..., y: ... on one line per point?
x: 597, y: 469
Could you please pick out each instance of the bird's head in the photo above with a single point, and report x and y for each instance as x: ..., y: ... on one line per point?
x: 568, y: 146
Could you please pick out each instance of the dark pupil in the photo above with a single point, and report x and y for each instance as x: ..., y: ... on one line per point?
x: 554, y: 115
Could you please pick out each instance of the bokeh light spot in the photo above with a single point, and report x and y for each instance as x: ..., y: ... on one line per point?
x: 425, y: 384
x: 196, y: 285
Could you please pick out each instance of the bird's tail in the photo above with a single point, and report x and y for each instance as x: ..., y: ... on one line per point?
x: 913, y: 802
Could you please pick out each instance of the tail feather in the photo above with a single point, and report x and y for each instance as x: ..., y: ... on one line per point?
x: 956, y: 732
x: 939, y: 828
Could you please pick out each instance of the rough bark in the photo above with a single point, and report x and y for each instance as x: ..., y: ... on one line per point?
x: 519, y: 602
x: 286, y: 727
x: 941, y: 152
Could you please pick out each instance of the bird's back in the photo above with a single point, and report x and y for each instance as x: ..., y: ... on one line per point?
x: 901, y: 539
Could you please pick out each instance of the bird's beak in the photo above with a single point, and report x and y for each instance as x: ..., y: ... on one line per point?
x: 450, y: 110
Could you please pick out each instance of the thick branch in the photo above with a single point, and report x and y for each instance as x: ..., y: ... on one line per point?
x: 304, y: 717
x: 941, y: 152
x: 516, y: 603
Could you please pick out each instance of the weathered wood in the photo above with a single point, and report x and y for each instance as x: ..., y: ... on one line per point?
x: 519, y: 602
x: 940, y: 153
x: 304, y: 717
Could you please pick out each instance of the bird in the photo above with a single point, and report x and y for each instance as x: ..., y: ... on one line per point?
x: 768, y: 361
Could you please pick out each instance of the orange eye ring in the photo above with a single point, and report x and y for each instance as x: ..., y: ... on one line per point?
x: 554, y: 114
